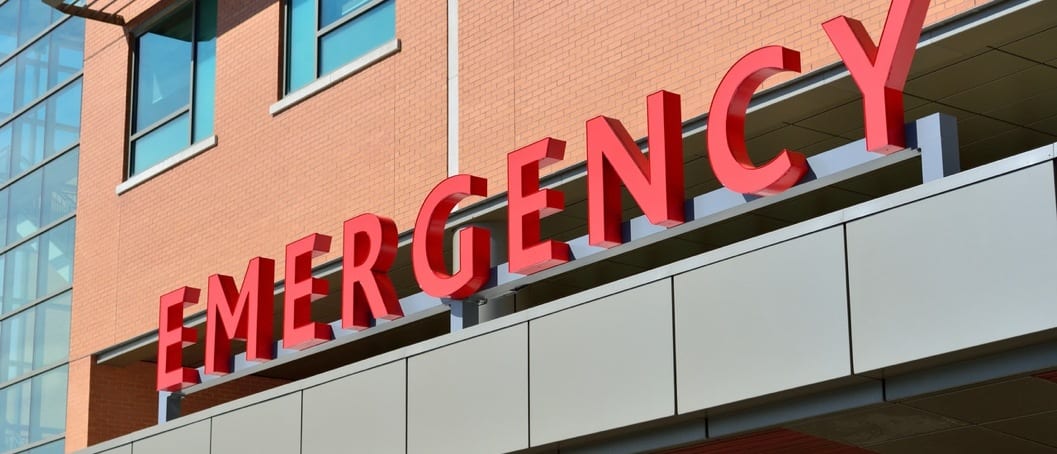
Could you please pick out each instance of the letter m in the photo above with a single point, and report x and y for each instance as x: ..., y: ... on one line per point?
x: 245, y: 314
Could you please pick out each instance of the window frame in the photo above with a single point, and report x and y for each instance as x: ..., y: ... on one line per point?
x: 287, y: 12
x: 131, y: 136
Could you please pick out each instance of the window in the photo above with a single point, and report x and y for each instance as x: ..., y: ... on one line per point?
x: 324, y: 35
x: 174, y: 85
x: 38, y: 199
x: 48, y: 62
x: 35, y: 338
x: 48, y: 129
x: 37, y: 269
x: 33, y: 410
x: 41, y: 57
x: 21, y: 21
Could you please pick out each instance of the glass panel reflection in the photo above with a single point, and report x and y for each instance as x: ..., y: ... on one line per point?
x: 21, y: 21
x: 332, y: 10
x: 35, y: 338
x: 58, y: 447
x: 357, y: 37
x: 42, y: 66
x: 6, y: 144
x: 60, y: 188
x: 301, y: 49
x: 20, y: 275
x: 33, y: 17
x: 7, y: 97
x: 39, y: 199
x: 56, y: 261
x: 16, y: 345
x: 23, y: 217
x: 47, y: 129
x: 160, y: 144
x: 48, y: 404
x: 4, y: 197
x: 52, y: 339
x: 14, y: 424
x: 163, y: 69
x: 8, y: 28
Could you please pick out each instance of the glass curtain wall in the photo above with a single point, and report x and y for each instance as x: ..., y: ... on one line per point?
x: 41, y: 57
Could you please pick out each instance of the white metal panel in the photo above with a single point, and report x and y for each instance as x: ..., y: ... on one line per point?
x: 123, y: 449
x: 270, y: 427
x: 470, y: 397
x: 189, y: 438
x: 365, y: 412
x: 767, y: 321
x: 602, y: 365
x: 957, y: 270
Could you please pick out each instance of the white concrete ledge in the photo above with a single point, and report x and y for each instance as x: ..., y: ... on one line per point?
x: 295, y: 97
x: 172, y: 161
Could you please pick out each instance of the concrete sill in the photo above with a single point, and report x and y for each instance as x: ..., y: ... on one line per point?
x: 295, y: 97
x: 172, y: 161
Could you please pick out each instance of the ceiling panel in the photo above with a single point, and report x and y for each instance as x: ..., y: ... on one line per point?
x: 974, y: 72
x: 1040, y: 428
x: 1014, y: 141
x: 1040, y: 105
x: 1047, y: 125
x: 824, y: 145
x: 1038, y: 47
x: 993, y: 402
x: 763, y: 148
x: 1006, y: 91
x: 930, y: 58
x: 877, y: 424
x: 837, y: 120
x: 1010, y: 28
x: 824, y: 200
x: 961, y: 441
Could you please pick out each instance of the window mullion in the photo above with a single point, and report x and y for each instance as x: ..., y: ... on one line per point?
x: 133, y: 88
x: 50, y: 123
x: 194, y: 60
x: 35, y: 399
x: 341, y: 21
x: 42, y: 258
x: 286, y: 11
x: 315, y: 42
x: 158, y: 124
x: 38, y: 329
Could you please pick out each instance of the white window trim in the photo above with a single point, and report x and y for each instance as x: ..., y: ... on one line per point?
x: 172, y: 161
x: 324, y: 82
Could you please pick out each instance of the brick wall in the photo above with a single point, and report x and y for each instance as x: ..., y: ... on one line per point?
x: 529, y: 70
x: 121, y: 400
x: 376, y: 141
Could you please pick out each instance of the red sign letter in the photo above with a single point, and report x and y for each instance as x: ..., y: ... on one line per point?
x: 427, y: 248
x: 528, y: 204
x: 244, y: 315
x: 726, y: 127
x: 369, y: 250
x: 656, y: 184
x: 173, y: 337
x: 299, y: 331
x: 881, y: 71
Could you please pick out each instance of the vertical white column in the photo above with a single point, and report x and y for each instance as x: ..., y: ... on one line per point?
x: 453, y: 87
